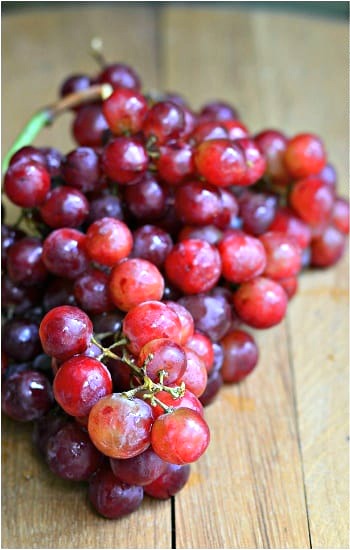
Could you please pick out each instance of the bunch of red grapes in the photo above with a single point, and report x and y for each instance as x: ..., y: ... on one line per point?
x: 152, y: 248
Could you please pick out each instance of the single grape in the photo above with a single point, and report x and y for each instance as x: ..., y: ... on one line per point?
x: 304, y: 155
x: 64, y: 207
x: 74, y: 83
x: 125, y: 160
x: 312, y: 199
x: 139, y: 470
x: 260, y: 303
x: 197, y: 203
x: 243, y: 257
x: 125, y: 111
x: 170, y: 482
x: 92, y: 293
x: 120, y: 427
x: 71, y: 455
x: 328, y: 248
x: 89, y: 126
x: 26, y: 396
x: 148, y: 321
x: 25, y: 264
x: 146, y: 199
x: 175, y: 162
x: 21, y: 339
x: 220, y: 161
x: 164, y: 121
x: 81, y: 382
x: 151, y: 243
x: 283, y: 255
x: 65, y: 331
x: 64, y: 253
x: 120, y: 75
x: 104, y: 206
x: 135, y: 281
x: 218, y: 110
x: 112, y: 498
x: 9, y: 235
x: 211, y: 313
x: 257, y: 210
x: 240, y: 355
x: 193, y: 266
x: 27, y: 183
x: 81, y: 169
x: 180, y: 436
x: 108, y: 241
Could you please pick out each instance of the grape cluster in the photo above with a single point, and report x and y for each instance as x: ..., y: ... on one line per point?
x: 148, y: 253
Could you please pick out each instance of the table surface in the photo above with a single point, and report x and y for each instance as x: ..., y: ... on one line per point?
x: 276, y: 472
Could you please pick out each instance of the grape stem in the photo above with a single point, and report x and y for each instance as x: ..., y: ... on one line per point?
x: 46, y: 116
x: 148, y: 384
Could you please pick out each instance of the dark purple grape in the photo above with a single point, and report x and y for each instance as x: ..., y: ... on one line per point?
x: 81, y: 169
x: 214, y: 384
x: 112, y: 498
x: 151, y: 243
x: 59, y: 292
x: 120, y: 75
x: 170, y: 482
x: 211, y: 313
x: 218, y: 110
x: 24, y: 262
x: 218, y: 356
x: 9, y: 235
x: 26, y: 396
x: 74, y: 83
x: 20, y: 299
x: 105, y: 206
x: 89, y: 126
x: 21, y: 339
x: 47, y: 426
x: 139, y: 470
x: 70, y: 454
x: 257, y: 211
x: 146, y: 199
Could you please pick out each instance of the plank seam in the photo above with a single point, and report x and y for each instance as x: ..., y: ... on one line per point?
x: 297, y: 426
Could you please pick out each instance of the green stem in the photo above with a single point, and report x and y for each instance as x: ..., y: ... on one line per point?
x: 28, y: 134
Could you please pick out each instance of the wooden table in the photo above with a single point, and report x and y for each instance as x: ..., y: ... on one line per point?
x: 276, y: 472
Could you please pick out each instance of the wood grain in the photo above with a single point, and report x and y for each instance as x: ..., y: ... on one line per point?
x: 276, y: 472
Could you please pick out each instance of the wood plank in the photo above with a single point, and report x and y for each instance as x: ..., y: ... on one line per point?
x: 39, y: 50
x: 253, y: 492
